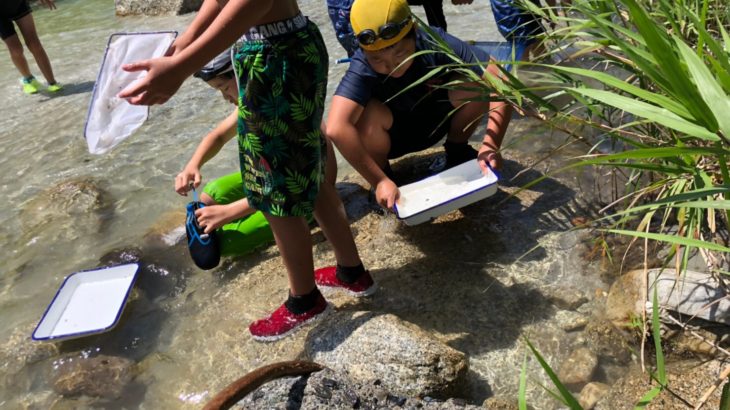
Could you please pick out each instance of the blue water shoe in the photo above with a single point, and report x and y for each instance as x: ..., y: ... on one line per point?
x: 204, y: 248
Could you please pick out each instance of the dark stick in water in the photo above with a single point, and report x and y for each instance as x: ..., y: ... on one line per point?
x: 253, y: 380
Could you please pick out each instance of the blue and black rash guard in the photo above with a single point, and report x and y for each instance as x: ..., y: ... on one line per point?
x: 361, y: 83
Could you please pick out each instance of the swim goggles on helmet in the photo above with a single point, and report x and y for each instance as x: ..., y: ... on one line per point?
x: 385, y: 32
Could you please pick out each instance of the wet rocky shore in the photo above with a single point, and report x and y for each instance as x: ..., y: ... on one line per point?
x: 458, y: 298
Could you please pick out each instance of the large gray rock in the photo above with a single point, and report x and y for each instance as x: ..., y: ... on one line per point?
x: 328, y: 389
x: 691, y: 293
x: 155, y: 7
x: 371, y: 346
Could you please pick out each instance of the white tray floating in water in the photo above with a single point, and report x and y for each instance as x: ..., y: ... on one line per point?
x: 444, y: 192
x: 88, y: 302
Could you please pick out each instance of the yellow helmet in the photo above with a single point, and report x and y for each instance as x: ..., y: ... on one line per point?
x: 378, y: 24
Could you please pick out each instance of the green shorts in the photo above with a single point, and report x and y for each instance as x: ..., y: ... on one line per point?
x: 244, y: 235
x: 282, y: 82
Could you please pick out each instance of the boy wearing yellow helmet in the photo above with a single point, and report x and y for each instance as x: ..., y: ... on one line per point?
x: 380, y: 111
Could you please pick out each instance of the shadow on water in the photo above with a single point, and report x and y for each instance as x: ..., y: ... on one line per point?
x: 69, y: 89
x: 461, y: 286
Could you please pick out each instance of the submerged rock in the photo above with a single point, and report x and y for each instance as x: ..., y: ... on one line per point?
x: 100, y: 376
x: 578, y: 368
x: 591, y: 393
x: 501, y: 403
x: 371, y: 346
x: 155, y: 7
x: 69, y: 206
x: 20, y: 351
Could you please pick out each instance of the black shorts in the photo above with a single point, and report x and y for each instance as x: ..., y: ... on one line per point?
x: 10, y: 11
x: 416, y: 130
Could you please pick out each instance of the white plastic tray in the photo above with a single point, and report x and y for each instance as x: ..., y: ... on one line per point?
x: 444, y: 192
x: 87, y: 302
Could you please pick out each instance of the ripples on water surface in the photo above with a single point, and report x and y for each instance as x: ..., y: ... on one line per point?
x: 42, y: 146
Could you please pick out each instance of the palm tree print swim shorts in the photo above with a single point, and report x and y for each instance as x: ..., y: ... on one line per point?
x: 281, y: 69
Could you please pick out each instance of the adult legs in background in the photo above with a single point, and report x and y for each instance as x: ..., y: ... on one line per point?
x: 434, y: 11
x: 30, y: 36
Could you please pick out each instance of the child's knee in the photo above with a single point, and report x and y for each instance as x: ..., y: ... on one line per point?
x: 375, y: 121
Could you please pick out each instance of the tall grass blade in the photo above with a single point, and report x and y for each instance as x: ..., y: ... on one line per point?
x: 650, y: 112
x: 661, y: 152
x: 568, y: 398
x: 663, y: 51
x: 647, y: 398
x: 658, y: 99
x: 709, y: 89
x: 673, y: 239
x: 725, y: 396
x: 656, y: 332
x: 661, y: 374
x: 522, y: 392
x: 725, y: 37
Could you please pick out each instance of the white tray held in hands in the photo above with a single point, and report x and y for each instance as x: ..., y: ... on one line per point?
x: 444, y: 192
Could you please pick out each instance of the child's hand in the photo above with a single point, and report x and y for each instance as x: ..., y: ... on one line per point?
x: 387, y: 193
x: 161, y: 82
x: 178, y: 45
x: 186, y: 178
x: 487, y: 155
x: 213, y: 217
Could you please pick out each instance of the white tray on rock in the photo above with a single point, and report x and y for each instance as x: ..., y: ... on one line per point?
x: 88, y: 302
x: 444, y: 192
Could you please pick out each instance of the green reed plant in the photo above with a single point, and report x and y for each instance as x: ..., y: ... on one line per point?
x: 652, y: 78
x: 725, y: 396
x: 662, y: 92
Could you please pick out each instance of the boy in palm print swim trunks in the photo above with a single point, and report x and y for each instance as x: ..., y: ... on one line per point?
x: 281, y: 95
x: 281, y: 66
